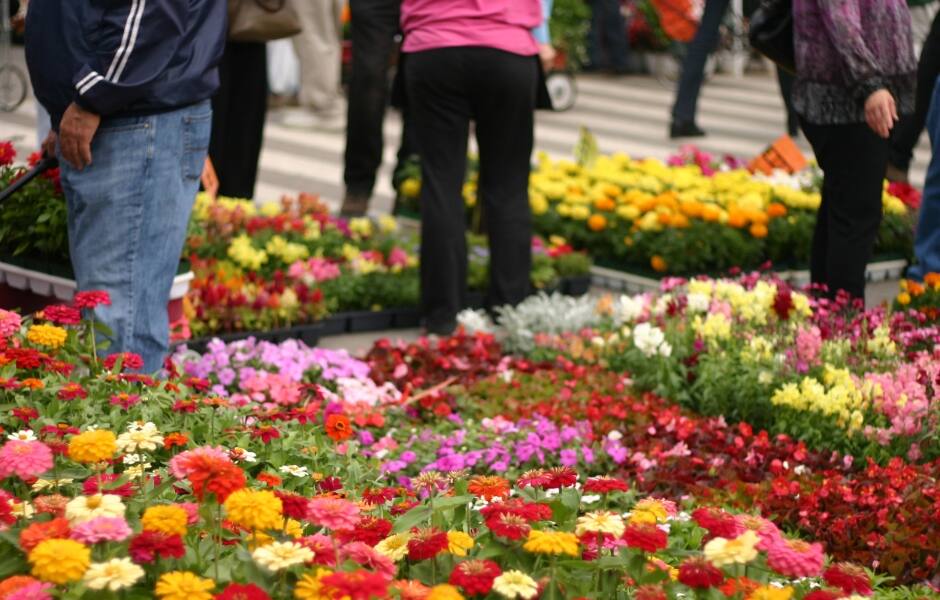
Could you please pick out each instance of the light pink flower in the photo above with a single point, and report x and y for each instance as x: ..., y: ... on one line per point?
x: 25, y: 459
x: 366, y: 556
x: 101, y: 529
x: 796, y: 558
x: 33, y: 591
x: 333, y: 513
x: 180, y: 464
x: 9, y: 323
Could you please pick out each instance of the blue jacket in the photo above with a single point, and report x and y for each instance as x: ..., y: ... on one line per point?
x: 124, y: 57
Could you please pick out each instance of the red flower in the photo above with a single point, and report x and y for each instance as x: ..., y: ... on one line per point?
x: 25, y: 413
x: 699, y: 573
x: 150, y: 545
x: 330, y: 484
x: 604, y: 485
x: 370, y: 530
x: 426, y: 543
x: 823, y: 595
x: 849, y: 578
x: 269, y: 479
x: 295, y: 505
x: 35, y: 533
x: 379, y: 496
x: 783, y: 302
x: 7, y: 154
x: 718, y: 522
x: 62, y: 315
x: 129, y: 360
x: 358, y: 585
x: 508, y: 525
x: 71, y: 391
x: 646, y: 537
x: 238, y: 591
x: 650, y: 592
x: 91, y: 299
x: 561, y: 477
x: 402, y: 507
x: 211, y: 474
x: 90, y: 486
x: 475, y: 576
x: 338, y: 427
x: 266, y: 433
x: 539, y: 478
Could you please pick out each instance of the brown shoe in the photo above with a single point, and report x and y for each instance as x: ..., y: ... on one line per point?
x: 354, y: 205
x: 893, y: 173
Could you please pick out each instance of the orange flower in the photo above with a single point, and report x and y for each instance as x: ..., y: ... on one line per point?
x: 32, y: 383
x: 915, y: 288
x: 932, y: 279
x: 711, y: 213
x: 664, y: 218
x: 174, y: 439
x: 775, y: 210
x: 758, y: 230
x: 597, y: 222
x: 679, y: 221
x: 736, y: 219
x: 692, y: 208
x: 488, y: 486
x: 11, y: 584
x: 338, y: 427
x: 659, y: 264
x: 42, y: 531
x: 269, y: 478
x: 605, y: 204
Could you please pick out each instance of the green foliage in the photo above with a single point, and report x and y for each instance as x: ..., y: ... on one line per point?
x: 569, y: 27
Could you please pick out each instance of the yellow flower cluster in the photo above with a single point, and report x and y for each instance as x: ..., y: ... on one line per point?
x: 742, y: 549
x: 168, y: 519
x: 183, y: 585
x: 551, y: 542
x: 648, y: 511
x: 204, y: 203
x: 458, y: 543
x: 92, y: 446
x: 255, y: 510
x: 836, y: 396
x: 59, y: 561
x: 47, y: 335
x: 288, y: 252
x: 242, y: 252
x: 600, y: 521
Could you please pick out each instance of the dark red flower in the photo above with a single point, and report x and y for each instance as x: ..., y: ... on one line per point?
x: 646, y: 537
x: 7, y: 154
x: 561, y: 477
x: 129, y: 360
x: 91, y: 486
x: 426, y: 543
x: 851, y: 579
x: 604, y: 485
x: 238, y: 591
x: 379, y: 496
x: 25, y: 413
x: 91, y: 299
x: 61, y: 314
x: 475, y: 576
x: 783, y: 302
x: 370, y: 530
x: 71, y: 391
x: 150, y: 545
x: 718, y: 522
x: 295, y: 505
x: 330, y: 484
x: 357, y: 585
x: 699, y: 573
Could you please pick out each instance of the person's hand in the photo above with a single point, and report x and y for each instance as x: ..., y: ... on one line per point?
x: 76, y: 131
x: 881, y: 113
x: 48, y: 145
x: 547, y: 56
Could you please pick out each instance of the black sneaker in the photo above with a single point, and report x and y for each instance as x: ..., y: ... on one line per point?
x: 683, y: 129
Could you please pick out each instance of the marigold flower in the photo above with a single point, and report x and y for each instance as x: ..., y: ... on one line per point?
x: 115, y: 574
x: 254, y: 510
x: 59, y: 561
x: 183, y: 585
x: 93, y: 446
x: 25, y: 459
x: 551, y: 542
x: 600, y: 521
x: 515, y: 584
x: 488, y: 487
x: 168, y: 519
x: 796, y: 558
x: 475, y: 576
x: 277, y: 556
x: 458, y: 543
x: 47, y: 335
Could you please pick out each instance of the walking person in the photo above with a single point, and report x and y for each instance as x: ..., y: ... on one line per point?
x: 607, y: 37
x: 472, y: 61
x: 127, y: 87
x: 927, y: 240
x: 855, y: 76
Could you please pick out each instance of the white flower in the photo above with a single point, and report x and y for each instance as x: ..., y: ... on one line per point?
x: 132, y: 459
x: 24, y: 435
x: 282, y: 555
x: 44, y: 484
x: 590, y: 498
x: 698, y: 303
x: 140, y: 436
x: 662, y: 304
x: 242, y: 455
x: 475, y: 321
x: 137, y: 471
x: 115, y: 574
x: 665, y: 349
x: 506, y: 375
x: 23, y: 510
x: 648, y: 339
x: 629, y: 308
x: 85, y: 508
x: 614, y: 435
x: 295, y: 470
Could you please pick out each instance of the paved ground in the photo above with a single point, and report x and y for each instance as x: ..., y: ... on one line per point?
x: 628, y: 114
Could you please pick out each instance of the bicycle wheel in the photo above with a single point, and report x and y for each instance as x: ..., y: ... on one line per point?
x: 12, y: 87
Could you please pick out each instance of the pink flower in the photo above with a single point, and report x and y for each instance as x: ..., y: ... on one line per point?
x: 25, y: 459
x: 101, y: 529
x: 91, y: 299
x: 366, y: 556
x: 768, y: 533
x: 192, y: 512
x: 333, y: 513
x: 33, y: 591
x: 796, y: 558
x: 9, y: 323
x: 180, y: 464
x: 322, y: 546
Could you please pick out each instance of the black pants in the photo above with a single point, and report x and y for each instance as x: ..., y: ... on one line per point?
x: 238, y: 112
x: 447, y: 88
x: 374, y: 24
x: 693, y: 64
x: 853, y: 160
x: 908, y: 130
x: 607, y: 37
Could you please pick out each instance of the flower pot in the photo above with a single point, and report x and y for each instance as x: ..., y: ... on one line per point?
x: 576, y: 286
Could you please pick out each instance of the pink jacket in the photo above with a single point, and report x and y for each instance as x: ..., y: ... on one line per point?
x: 501, y: 24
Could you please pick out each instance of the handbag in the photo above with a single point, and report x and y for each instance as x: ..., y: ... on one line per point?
x: 771, y: 32
x: 261, y: 20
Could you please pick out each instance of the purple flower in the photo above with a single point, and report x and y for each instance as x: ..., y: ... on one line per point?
x: 568, y: 457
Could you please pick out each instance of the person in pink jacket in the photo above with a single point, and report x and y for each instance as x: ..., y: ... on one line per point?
x: 473, y: 60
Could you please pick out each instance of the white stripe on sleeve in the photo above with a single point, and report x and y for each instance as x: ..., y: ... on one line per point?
x: 123, y: 48
x: 133, y: 40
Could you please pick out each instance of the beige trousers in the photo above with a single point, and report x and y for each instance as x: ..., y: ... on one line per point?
x: 320, y: 54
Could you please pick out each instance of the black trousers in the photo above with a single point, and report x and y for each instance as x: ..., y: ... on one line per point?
x: 447, y: 89
x: 853, y: 160
x: 238, y: 112
x: 374, y: 24
x: 607, y: 37
x: 908, y: 130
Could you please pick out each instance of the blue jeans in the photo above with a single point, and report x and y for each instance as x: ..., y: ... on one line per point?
x: 127, y: 215
x: 927, y: 242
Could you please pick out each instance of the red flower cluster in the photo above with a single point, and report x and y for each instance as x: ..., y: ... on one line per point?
x: 61, y: 314
x: 91, y: 299
x: 426, y: 543
x: 511, y: 519
x: 604, y: 485
x: 129, y: 360
x: 357, y: 585
x: 148, y: 546
x: 700, y: 574
x: 475, y: 576
x: 646, y: 537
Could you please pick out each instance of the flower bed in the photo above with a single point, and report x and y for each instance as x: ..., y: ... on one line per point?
x: 257, y: 472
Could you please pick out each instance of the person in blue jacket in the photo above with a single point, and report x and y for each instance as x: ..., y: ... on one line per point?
x: 127, y: 86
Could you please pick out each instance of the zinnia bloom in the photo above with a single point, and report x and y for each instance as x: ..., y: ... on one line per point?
x: 395, y: 546
x: 101, y: 529
x: 333, y: 513
x: 850, y: 578
x: 551, y: 542
x: 25, y: 459
x: 475, y: 576
x: 426, y: 543
x: 338, y: 427
x: 768, y: 592
x: 538, y: 478
x: 61, y: 314
x: 604, y: 485
x: 168, y: 519
x: 796, y: 558
x: 183, y: 585
x: 254, y: 510
x: 367, y: 557
x: 41, y: 531
x: 370, y: 530
x: 560, y: 477
x: 600, y: 521
x: 700, y: 574
x: 150, y: 545
x: 646, y: 537
x: 93, y: 446
x: 488, y: 487
x: 508, y: 525
x: 32, y: 591
x: 115, y: 574
x: 208, y: 470
x: 47, y: 335
x: 238, y: 591
x: 129, y: 361
x: 515, y: 584
x: 742, y: 549
x: 91, y: 299
x: 718, y: 522
x: 458, y: 543
x: 444, y: 592
x: 309, y: 586
x: 59, y: 561
x: 84, y: 508
x: 9, y: 323
x: 650, y: 592
x: 358, y: 585
x: 281, y: 555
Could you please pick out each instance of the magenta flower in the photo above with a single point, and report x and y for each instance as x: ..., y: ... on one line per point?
x: 333, y: 513
x: 33, y: 591
x: 25, y: 459
x: 101, y: 529
x: 9, y: 323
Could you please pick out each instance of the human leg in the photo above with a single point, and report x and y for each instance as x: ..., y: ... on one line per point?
x: 503, y: 102
x: 615, y: 35
x: 318, y: 50
x: 927, y: 242
x: 440, y: 109
x: 785, y: 80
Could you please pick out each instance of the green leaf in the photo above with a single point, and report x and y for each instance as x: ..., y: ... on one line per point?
x: 412, y: 518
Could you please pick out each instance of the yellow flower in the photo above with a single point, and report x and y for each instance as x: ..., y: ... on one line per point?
x: 282, y: 555
x: 458, y: 543
x: 168, y: 519
x: 904, y: 298
x: 648, y: 510
x: 395, y: 546
x: 742, y: 549
x: 92, y: 446
x: 388, y: 224
x: 411, y: 188
x: 515, y: 584
x: 183, y: 585
x: 551, y: 542
x: 59, y: 561
x: 255, y: 509
x: 308, y: 586
x: 767, y: 592
x: 444, y: 592
x: 115, y: 574
x: 85, y: 508
x: 600, y: 521
x: 47, y: 335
